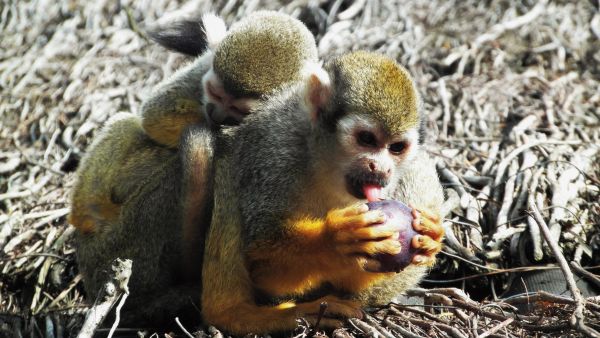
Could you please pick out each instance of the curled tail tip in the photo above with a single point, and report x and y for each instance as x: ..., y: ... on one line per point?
x: 214, y: 28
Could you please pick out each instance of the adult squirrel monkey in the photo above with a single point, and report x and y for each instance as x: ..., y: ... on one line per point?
x: 290, y: 187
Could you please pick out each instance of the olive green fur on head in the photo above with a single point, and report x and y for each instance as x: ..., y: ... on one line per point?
x: 375, y: 85
x: 262, y: 52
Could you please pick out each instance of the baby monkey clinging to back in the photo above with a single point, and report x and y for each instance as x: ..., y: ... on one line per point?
x: 255, y: 57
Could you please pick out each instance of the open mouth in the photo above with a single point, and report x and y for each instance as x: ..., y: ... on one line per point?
x: 365, y: 186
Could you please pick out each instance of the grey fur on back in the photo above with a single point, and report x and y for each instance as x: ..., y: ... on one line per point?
x: 270, y: 157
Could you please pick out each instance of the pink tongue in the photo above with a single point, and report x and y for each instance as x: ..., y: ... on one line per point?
x: 372, y: 192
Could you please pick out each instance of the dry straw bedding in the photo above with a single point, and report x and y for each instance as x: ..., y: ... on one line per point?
x: 511, y: 95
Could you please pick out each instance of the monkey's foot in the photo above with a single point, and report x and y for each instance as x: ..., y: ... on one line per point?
x: 429, y: 241
x: 352, y: 231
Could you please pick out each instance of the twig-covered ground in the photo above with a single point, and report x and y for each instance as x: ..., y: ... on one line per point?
x: 511, y: 91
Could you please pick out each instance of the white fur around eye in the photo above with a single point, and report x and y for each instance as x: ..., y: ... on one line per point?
x: 412, y: 137
x: 348, y: 126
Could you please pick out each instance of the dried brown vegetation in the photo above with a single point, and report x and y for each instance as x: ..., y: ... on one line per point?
x: 512, y: 95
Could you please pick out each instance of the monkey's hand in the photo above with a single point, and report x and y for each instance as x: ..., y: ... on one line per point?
x: 357, y: 232
x: 429, y: 241
x: 339, y: 248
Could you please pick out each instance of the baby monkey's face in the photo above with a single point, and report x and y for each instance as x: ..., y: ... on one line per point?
x: 220, y: 107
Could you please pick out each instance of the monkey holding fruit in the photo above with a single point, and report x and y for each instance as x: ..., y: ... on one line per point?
x: 289, y: 191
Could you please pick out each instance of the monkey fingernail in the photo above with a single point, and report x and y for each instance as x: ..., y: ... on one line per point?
x: 418, y: 260
x: 416, y: 224
x: 417, y: 241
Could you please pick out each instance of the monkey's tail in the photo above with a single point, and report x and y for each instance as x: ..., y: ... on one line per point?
x: 197, y: 150
x: 186, y: 36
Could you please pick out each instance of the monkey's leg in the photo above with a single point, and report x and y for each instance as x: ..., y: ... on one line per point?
x: 228, y: 302
x: 429, y: 242
x: 165, y: 124
x: 103, y: 168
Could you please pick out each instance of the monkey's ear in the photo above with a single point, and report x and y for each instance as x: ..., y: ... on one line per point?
x: 317, y: 90
x: 215, y: 29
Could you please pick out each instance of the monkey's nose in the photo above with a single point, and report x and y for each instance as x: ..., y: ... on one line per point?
x: 374, y: 167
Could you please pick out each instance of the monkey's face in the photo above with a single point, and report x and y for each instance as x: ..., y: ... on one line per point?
x: 220, y: 107
x: 374, y: 159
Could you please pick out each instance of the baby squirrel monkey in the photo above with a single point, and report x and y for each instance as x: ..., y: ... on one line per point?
x: 255, y: 57
x: 134, y: 190
x: 289, y: 191
x: 258, y: 55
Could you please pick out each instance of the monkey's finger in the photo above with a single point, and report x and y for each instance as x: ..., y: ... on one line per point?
x: 429, y: 225
x: 357, y: 221
x: 371, y: 265
x: 366, y: 219
x: 426, y: 245
x: 423, y: 260
x: 370, y: 248
x: 373, y: 233
x: 355, y: 209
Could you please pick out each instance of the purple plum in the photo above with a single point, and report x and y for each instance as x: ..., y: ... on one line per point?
x: 400, y: 215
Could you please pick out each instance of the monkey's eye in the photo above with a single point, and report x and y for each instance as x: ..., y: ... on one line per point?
x: 398, y: 147
x: 367, y: 139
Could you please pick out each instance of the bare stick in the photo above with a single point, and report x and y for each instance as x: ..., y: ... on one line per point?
x: 366, y: 329
x: 66, y: 291
x: 509, y: 193
x: 187, y: 333
x: 496, y: 328
x: 506, y: 161
x: 446, y: 104
x: 577, y: 319
x: 501, y: 28
x: 381, y: 329
x: 404, y: 332
x: 110, y: 293
x: 588, y: 275
x: 118, y: 314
